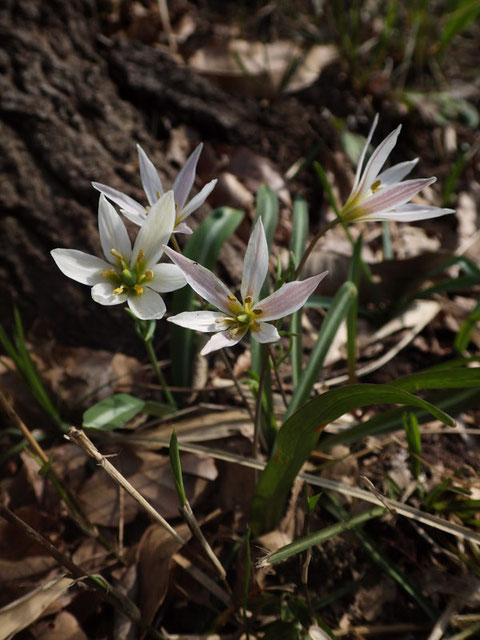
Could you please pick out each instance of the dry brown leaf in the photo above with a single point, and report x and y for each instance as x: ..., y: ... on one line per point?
x: 261, y: 69
x: 11, y: 570
x: 19, y: 614
x: 154, y: 561
x: 254, y: 170
x: 75, y: 372
x: 64, y: 627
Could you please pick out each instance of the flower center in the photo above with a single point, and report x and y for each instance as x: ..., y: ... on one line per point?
x: 128, y: 279
x: 248, y: 317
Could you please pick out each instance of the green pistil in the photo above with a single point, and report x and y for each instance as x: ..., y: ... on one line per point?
x: 126, y: 279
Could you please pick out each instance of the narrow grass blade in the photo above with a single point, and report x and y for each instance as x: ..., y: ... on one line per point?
x: 414, y: 441
x: 177, y: 469
x: 389, y: 421
x: 319, y: 537
x: 337, y: 312
x: 463, y: 336
x: 203, y: 246
x: 299, y: 436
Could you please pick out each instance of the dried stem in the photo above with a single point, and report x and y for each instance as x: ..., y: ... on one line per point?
x: 81, y: 440
x: 258, y: 407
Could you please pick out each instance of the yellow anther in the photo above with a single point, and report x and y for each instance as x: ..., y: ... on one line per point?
x: 118, y: 291
x: 159, y: 195
x: 116, y: 253
x: 147, y: 208
x: 140, y: 257
x: 248, y: 300
x: 149, y: 274
x: 257, y: 312
x: 376, y: 186
x: 231, y: 298
x: 107, y: 272
x: 138, y: 289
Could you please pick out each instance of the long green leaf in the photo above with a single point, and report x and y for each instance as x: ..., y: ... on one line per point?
x: 299, y: 436
x: 203, y: 246
x: 336, y: 313
x: 389, y: 421
x: 453, y: 378
x: 297, y: 247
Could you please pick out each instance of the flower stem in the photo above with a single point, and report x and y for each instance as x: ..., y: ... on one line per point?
x: 175, y: 244
x: 312, y: 244
x: 237, y: 384
x: 258, y: 406
x: 153, y: 359
x: 277, y: 376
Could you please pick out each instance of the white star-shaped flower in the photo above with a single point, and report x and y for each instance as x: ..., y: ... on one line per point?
x: 128, y: 275
x: 235, y: 318
x: 383, y: 196
x: 153, y: 188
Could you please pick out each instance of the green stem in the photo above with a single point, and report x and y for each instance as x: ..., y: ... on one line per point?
x: 153, y: 359
x: 258, y: 406
x: 237, y: 384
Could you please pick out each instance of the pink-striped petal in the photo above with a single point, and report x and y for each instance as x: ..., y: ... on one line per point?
x: 255, y: 263
x: 377, y: 160
x: 197, y: 201
x: 358, y: 173
x: 411, y: 213
x: 127, y: 203
x: 388, y: 198
x: 204, y: 282
x: 184, y: 181
x: 288, y: 299
x: 396, y: 173
x: 151, y: 182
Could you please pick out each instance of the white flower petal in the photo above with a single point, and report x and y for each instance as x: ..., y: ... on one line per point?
x: 266, y: 333
x: 147, y: 306
x: 377, y: 160
x: 136, y: 218
x: 103, y: 294
x: 183, y: 228
x: 396, y: 173
x: 151, y: 182
x: 113, y: 234
x: 412, y: 212
x: 288, y: 299
x: 255, y: 263
x: 205, y: 321
x: 388, y: 198
x: 197, y: 200
x: 221, y: 340
x: 127, y: 203
x: 362, y: 155
x: 156, y: 230
x: 184, y: 181
x: 80, y: 266
x: 167, y: 277
x: 203, y: 281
